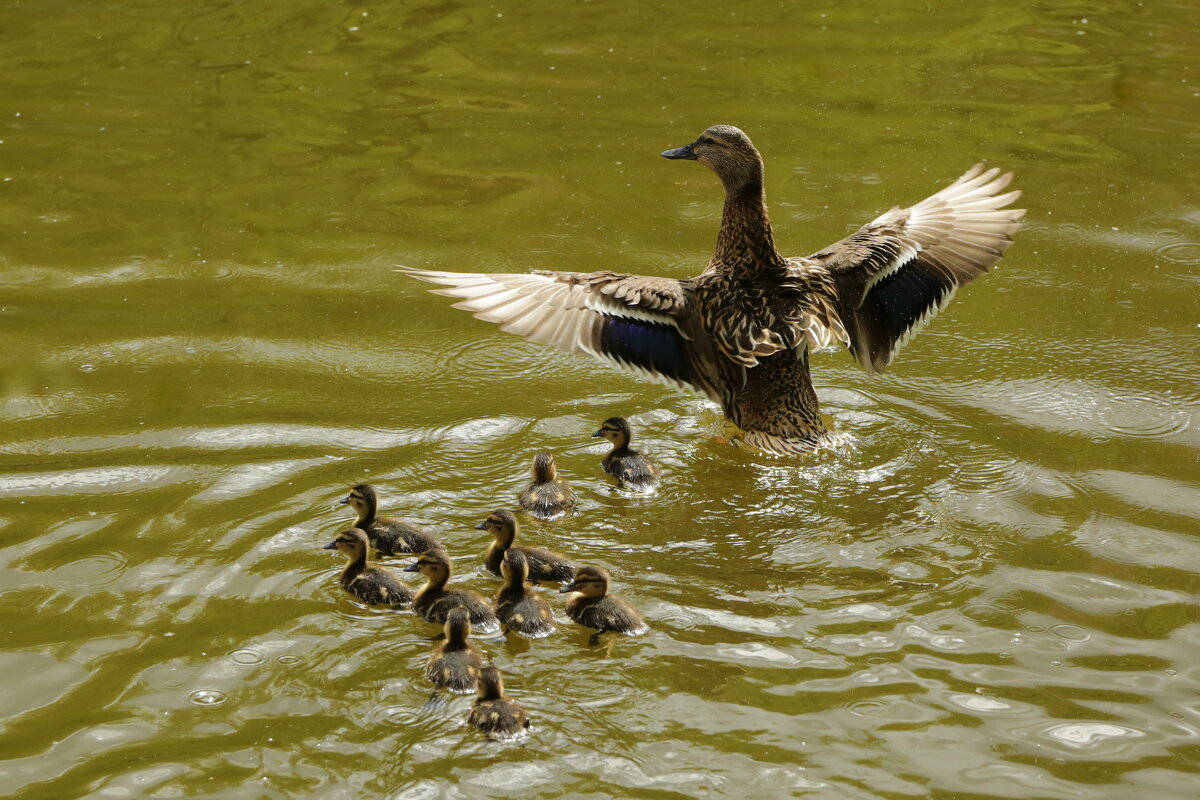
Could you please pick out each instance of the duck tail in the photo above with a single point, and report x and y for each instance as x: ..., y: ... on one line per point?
x: 795, y: 446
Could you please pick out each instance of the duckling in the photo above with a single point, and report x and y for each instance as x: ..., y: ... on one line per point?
x: 544, y: 565
x: 454, y: 664
x: 628, y: 466
x: 520, y: 610
x: 591, y: 605
x: 389, y: 535
x: 547, y: 497
x: 433, y: 602
x: 370, y: 583
x: 494, y: 714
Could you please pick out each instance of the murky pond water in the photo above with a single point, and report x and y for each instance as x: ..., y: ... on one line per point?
x: 994, y: 595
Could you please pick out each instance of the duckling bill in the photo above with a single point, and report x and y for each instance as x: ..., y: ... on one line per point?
x: 370, y: 583
x: 741, y: 331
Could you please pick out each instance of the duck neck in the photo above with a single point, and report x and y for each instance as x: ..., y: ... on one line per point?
x: 746, y: 243
x: 367, y: 518
x: 357, y: 563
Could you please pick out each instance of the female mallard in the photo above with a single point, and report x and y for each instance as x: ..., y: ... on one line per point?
x: 371, y: 583
x: 389, y: 535
x: 433, y: 602
x: 544, y: 565
x: 547, y: 496
x: 740, y: 332
x: 519, y: 608
x: 628, y: 466
x: 493, y: 713
x: 455, y: 664
x: 592, y: 606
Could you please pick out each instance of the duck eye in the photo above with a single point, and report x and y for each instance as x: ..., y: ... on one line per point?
x: 706, y: 140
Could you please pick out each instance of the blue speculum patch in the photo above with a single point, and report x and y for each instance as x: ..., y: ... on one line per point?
x: 651, y: 345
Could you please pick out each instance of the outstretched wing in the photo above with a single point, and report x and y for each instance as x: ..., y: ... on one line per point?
x: 897, y: 272
x: 639, y: 324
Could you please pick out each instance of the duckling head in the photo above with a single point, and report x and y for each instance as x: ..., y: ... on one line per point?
x: 727, y: 151
x: 616, y: 430
x: 514, y: 568
x: 543, y: 468
x: 434, y: 565
x: 502, y: 524
x: 351, y: 542
x: 589, y: 582
x: 458, y: 626
x: 362, y: 498
x: 491, y: 685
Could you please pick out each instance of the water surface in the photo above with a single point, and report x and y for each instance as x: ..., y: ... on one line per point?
x: 993, y: 595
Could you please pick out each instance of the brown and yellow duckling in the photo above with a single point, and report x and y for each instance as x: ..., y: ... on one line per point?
x: 494, y: 714
x: 544, y: 565
x: 591, y: 604
x: 389, y: 536
x: 371, y: 583
x: 628, y: 466
x: 519, y: 608
x: 433, y: 601
x: 547, y: 496
x: 455, y: 664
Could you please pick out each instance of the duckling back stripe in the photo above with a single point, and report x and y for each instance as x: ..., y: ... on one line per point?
x: 650, y: 345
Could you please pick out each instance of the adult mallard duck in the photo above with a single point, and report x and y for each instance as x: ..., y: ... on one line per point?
x: 628, y: 466
x: 544, y: 565
x: 389, y: 535
x: 547, y: 496
x: 371, y: 583
x: 740, y: 332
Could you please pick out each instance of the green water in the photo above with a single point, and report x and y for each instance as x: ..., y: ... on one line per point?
x: 994, y: 595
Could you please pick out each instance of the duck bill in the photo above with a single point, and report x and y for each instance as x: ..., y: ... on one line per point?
x: 600, y: 433
x: 686, y: 152
x: 330, y: 546
x: 567, y: 587
x: 345, y: 501
x: 481, y: 526
x: 411, y: 568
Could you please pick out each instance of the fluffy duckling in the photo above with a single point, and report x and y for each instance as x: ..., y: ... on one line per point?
x: 544, y: 565
x: 547, y: 497
x: 389, y: 535
x: 628, y: 466
x: 433, y: 602
x: 591, y: 605
x: 455, y: 664
x: 371, y: 583
x: 519, y: 609
x: 493, y: 713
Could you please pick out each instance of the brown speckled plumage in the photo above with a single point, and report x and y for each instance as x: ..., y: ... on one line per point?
x: 740, y: 332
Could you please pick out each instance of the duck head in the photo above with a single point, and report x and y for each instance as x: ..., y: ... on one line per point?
x: 589, y: 582
x: 727, y: 151
x: 543, y: 468
x: 501, y: 524
x: 616, y: 430
x: 351, y: 543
